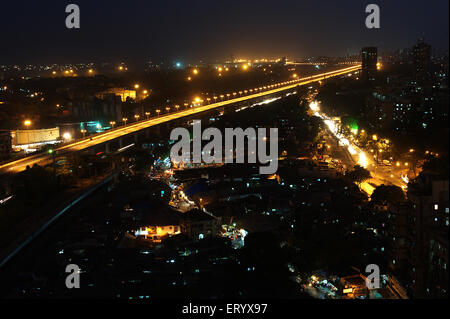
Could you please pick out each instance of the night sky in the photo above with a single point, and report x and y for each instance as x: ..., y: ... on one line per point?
x: 137, y: 31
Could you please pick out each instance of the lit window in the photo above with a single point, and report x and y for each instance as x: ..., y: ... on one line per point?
x: 436, y: 206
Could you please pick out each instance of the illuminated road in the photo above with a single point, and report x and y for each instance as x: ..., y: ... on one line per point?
x: 380, y: 174
x: 44, y: 158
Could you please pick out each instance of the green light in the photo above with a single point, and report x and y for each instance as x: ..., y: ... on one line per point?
x: 354, y: 128
x: 50, y: 151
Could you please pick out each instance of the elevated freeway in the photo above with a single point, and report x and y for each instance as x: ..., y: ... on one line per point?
x: 119, y: 132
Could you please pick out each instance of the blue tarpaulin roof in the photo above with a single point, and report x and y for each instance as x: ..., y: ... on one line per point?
x: 196, y: 188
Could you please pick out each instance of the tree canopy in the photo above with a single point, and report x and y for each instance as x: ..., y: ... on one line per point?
x: 388, y: 193
x: 359, y: 174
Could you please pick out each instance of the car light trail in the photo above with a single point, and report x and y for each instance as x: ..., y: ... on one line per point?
x: 363, y: 159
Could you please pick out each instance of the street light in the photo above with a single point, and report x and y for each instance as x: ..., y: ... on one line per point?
x: 112, y: 123
x: 157, y: 111
x: 137, y: 116
x: 147, y: 114
x: 125, y: 120
x: 67, y: 136
x: 83, y: 131
x: 27, y: 123
x: 53, y: 153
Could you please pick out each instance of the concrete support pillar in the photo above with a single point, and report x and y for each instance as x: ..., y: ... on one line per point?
x: 135, y: 137
x: 158, y: 130
x: 121, y: 142
x: 108, y: 148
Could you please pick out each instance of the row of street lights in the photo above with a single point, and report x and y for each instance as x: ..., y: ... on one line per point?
x: 197, y: 100
x: 214, y: 99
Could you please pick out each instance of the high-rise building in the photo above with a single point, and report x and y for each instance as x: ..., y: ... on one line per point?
x: 421, y: 53
x: 369, y: 56
x: 429, y: 195
x: 418, y: 238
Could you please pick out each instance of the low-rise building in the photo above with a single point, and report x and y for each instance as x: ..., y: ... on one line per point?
x: 197, y: 224
x: 108, y: 108
x: 5, y: 145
